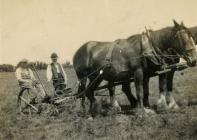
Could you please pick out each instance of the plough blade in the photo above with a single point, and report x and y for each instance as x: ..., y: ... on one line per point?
x: 64, y: 99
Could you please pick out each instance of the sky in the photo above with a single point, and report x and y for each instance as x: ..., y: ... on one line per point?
x: 33, y: 29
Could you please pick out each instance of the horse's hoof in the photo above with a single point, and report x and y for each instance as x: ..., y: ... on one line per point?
x: 161, y: 101
x: 173, y: 106
x: 90, y: 118
x: 140, y: 113
x: 161, y: 107
x: 149, y: 111
x: 176, y: 107
x: 116, y: 109
x: 95, y: 108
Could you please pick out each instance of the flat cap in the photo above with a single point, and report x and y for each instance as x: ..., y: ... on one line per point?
x: 54, y: 55
x: 24, y: 60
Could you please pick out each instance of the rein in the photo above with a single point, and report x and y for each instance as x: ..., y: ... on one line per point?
x: 159, y: 54
x: 182, y: 50
x: 176, y: 55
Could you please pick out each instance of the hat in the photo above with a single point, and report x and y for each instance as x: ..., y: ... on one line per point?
x: 24, y: 60
x: 54, y: 55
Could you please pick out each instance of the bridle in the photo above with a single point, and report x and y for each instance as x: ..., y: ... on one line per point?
x: 181, y: 50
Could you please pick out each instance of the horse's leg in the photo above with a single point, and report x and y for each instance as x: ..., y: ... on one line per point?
x: 146, y: 92
x: 138, y: 78
x: 146, y: 96
x: 163, y: 90
x: 172, y: 102
x: 126, y: 88
x: 82, y: 86
x: 94, y: 108
x: 113, y: 101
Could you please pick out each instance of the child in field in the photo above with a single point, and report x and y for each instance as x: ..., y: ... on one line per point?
x: 27, y: 81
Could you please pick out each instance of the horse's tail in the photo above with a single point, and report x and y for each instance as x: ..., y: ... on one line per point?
x: 81, y: 92
x: 81, y: 64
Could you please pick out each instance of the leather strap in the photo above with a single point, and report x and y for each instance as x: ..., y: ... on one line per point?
x: 108, y: 57
x: 156, y: 51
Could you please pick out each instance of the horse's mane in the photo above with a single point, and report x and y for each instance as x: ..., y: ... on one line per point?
x: 162, y: 36
x: 193, y: 31
x: 134, y: 37
x: 157, y: 35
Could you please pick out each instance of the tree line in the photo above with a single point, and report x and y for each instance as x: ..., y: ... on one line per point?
x: 7, y: 68
x: 37, y: 65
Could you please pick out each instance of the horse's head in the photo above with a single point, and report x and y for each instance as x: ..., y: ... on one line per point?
x: 183, y: 43
x: 193, y: 31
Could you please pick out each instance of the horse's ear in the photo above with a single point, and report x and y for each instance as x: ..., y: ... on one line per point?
x: 182, y: 24
x: 175, y: 23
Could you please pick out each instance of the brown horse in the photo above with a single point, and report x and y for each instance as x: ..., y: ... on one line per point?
x: 193, y: 31
x: 126, y: 61
x: 170, y: 75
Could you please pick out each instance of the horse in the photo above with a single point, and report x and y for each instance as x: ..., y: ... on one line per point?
x: 170, y: 75
x: 92, y: 61
x: 193, y: 31
x: 169, y: 78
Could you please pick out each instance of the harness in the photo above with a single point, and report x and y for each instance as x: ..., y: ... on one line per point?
x: 150, y: 48
x: 108, y: 57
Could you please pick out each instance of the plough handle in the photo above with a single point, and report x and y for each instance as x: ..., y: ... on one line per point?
x: 40, y: 80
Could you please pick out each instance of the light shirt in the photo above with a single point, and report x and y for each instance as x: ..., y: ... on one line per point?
x: 50, y: 74
x: 21, y: 73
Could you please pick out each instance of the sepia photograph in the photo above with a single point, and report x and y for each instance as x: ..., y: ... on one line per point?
x: 98, y: 70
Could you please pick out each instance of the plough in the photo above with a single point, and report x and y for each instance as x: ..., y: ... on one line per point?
x: 63, y: 94
x: 178, y: 66
x: 25, y: 101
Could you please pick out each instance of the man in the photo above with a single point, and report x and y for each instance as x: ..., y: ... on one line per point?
x: 55, y: 72
x: 27, y: 81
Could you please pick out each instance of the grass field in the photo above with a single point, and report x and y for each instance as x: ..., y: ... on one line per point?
x: 71, y: 124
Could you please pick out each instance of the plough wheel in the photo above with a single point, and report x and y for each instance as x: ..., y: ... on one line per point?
x: 25, y: 102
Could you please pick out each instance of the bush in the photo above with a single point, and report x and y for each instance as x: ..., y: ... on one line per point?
x: 7, y: 68
x: 38, y: 65
x: 67, y: 65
